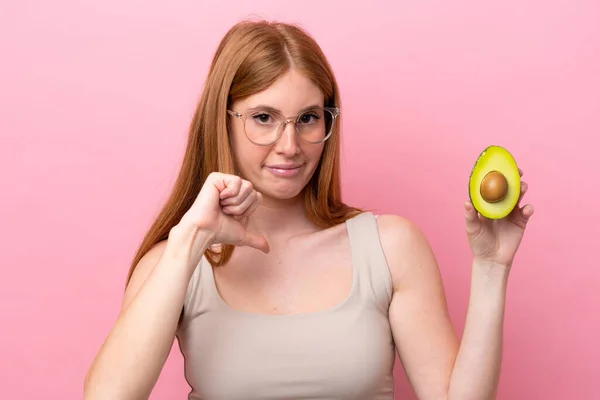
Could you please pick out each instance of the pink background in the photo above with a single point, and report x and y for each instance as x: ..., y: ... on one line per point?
x: 95, y: 100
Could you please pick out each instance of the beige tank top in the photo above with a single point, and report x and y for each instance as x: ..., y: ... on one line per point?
x: 344, y: 352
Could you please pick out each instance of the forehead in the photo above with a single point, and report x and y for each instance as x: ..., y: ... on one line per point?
x: 289, y: 94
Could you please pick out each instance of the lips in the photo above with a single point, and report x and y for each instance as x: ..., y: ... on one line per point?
x: 284, y: 166
x: 284, y: 170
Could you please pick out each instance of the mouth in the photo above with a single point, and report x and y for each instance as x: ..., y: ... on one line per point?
x: 285, y: 170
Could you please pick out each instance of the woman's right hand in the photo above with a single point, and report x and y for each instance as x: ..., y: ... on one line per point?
x: 221, y: 210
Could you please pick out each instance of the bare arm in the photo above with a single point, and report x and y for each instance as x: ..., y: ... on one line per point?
x: 477, y: 369
x: 438, y: 365
x: 133, y: 355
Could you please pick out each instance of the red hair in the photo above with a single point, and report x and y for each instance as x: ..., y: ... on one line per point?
x: 250, y: 57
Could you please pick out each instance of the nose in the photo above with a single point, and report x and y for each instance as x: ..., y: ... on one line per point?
x: 288, y: 142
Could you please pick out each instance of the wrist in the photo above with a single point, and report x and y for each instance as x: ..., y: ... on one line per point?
x: 188, y: 243
x: 490, y: 272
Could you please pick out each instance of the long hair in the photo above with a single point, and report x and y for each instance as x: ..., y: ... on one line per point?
x: 250, y: 57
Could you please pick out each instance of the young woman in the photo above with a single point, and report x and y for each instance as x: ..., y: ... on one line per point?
x: 317, y: 296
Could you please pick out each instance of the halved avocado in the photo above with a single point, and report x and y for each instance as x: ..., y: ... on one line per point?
x: 495, y: 183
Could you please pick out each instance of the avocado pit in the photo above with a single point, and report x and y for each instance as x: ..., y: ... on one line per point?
x: 494, y: 187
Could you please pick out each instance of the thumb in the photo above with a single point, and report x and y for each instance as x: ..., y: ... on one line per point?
x: 256, y: 241
x: 473, y: 224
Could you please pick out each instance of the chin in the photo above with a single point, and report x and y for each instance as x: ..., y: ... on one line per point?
x: 282, y: 189
x: 283, y: 193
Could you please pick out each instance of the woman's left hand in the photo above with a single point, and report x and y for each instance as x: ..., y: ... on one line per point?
x: 497, y: 241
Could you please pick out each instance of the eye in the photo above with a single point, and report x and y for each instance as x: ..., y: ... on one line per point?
x: 262, y: 118
x: 309, y: 118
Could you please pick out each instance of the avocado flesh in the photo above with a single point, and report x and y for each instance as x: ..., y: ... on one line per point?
x: 495, y: 158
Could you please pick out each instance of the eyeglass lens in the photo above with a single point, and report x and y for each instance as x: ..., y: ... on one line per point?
x: 264, y: 127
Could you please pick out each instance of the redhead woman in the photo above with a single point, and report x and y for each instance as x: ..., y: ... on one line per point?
x: 272, y: 285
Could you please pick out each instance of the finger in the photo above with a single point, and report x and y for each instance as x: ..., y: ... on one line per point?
x: 239, y: 209
x: 252, y: 207
x: 472, y: 222
x: 256, y: 241
x: 221, y: 181
x: 244, y: 191
x: 521, y: 215
x: 520, y: 172
x: 231, y: 186
x: 527, y: 212
x: 524, y: 187
x: 483, y: 222
x: 470, y: 212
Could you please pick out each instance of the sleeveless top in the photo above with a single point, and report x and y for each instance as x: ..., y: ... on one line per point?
x: 343, y: 352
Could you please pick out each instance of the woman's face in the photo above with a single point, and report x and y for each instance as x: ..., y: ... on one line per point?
x: 280, y: 170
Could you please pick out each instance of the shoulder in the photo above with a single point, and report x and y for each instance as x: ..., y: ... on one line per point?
x: 405, y: 247
x: 398, y: 233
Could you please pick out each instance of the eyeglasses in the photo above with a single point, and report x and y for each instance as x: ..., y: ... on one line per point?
x: 265, y: 126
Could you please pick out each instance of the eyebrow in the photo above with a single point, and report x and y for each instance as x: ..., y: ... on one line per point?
x: 272, y: 109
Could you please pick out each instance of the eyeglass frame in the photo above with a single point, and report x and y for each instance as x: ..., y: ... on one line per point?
x: 335, y: 111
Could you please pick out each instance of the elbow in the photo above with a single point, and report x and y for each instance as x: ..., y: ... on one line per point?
x: 88, y: 385
x: 97, y: 385
x: 92, y: 388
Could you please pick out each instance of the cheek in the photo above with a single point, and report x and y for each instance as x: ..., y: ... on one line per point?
x: 313, y: 153
x: 248, y: 157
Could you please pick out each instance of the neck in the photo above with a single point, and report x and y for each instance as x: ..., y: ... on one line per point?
x: 280, y: 220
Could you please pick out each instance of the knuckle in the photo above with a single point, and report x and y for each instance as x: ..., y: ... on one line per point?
x: 248, y: 185
x: 235, y: 209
